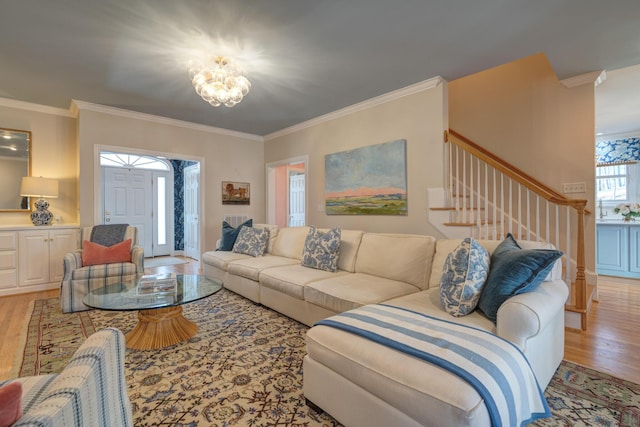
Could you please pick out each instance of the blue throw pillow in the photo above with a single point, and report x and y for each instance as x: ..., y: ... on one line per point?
x: 322, y: 250
x: 230, y: 234
x: 514, y: 271
x: 463, y: 277
x: 252, y: 241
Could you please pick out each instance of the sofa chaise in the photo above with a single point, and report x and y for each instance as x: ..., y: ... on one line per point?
x: 343, y: 371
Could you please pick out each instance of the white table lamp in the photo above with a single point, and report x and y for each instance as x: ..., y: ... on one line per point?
x: 33, y: 186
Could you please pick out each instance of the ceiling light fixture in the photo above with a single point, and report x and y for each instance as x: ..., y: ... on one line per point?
x: 219, y: 81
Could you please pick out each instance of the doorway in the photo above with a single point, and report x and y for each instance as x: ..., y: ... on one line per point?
x: 149, y: 192
x: 286, y: 192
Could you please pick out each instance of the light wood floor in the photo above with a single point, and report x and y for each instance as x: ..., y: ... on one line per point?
x: 611, y: 344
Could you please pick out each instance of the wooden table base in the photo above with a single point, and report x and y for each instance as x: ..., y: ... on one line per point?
x: 160, y: 327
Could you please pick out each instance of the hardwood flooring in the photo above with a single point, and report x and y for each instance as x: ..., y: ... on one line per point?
x: 611, y: 344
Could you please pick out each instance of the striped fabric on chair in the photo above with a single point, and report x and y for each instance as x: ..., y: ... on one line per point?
x: 90, y: 391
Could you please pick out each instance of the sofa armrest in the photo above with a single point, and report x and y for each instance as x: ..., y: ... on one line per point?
x: 526, y: 315
x: 91, y: 389
x: 71, y: 261
x: 137, y: 257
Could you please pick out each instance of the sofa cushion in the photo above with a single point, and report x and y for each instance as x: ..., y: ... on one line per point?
x: 221, y: 259
x: 428, y: 302
x: 230, y: 234
x: 273, y: 234
x: 101, y: 271
x: 290, y: 242
x: 514, y: 271
x: 250, y: 268
x: 321, y: 249
x: 354, y: 290
x: 401, y: 257
x: 291, y: 279
x: 252, y: 241
x: 463, y: 277
x: 95, y: 253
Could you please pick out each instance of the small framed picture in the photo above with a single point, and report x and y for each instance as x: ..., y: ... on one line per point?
x: 235, y: 193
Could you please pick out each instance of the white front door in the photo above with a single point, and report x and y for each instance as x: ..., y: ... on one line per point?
x: 127, y: 200
x: 296, y: 199
x: 191, y: 209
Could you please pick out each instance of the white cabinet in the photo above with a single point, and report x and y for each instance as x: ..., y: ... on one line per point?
x: 618, y: 249
x: 31, y: 258
x: 8, y: 259
x: 41, y: 253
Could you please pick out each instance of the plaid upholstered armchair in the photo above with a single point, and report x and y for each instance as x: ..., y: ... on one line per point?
x: 79, y: 278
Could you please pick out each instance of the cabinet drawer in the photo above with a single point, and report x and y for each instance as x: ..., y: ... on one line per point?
x: 8, y: 278
x: 8, y: 259
x: 8, y: 241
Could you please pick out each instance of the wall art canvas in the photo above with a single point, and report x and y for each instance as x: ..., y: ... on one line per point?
x: 235, y: 193
x: 367, y: 181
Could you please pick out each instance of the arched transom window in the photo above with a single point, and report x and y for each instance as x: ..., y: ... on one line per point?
x: 136, y: 161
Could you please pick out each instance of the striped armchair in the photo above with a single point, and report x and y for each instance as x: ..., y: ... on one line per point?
x: 90, y: 391
x: 78, y: 281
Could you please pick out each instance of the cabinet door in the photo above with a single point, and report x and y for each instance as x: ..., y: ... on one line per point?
x: 8, y: 259
x: 612, y: 249
x: 634, y: 250
x: 33, y: 249
x: 60, y: 242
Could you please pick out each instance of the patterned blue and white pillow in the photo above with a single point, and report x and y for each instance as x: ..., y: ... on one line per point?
x: 252, y: 241
x: 463, y: 276
x: 321, y: 250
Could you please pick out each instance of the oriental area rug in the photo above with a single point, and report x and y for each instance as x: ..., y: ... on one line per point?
x: 244, y: 368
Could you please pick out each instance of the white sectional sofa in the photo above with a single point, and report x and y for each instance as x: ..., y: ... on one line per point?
x: 363, y: 383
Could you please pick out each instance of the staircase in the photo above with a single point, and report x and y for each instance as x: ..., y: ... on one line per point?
x: 485, y: 197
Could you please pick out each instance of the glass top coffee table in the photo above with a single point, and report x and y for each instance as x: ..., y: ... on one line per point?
x: 160, y: 320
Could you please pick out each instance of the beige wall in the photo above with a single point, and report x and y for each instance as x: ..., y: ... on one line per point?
x: 223, y: 157
x: 522, y: 113
x: 54, y: 153
x: 419, y: 118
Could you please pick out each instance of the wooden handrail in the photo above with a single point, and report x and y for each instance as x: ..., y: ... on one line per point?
x: 546, y: 193
x: 513, y: 172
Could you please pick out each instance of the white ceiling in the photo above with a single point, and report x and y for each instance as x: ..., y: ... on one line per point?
x: 304, y: 58
x: 618, y: 102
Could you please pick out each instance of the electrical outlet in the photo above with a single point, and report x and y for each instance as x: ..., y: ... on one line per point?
x: 574, y: 187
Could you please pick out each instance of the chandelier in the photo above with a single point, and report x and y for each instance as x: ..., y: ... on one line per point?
x: 219, y: 81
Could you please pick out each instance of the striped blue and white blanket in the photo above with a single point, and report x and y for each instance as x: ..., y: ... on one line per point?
x: 493, y: 366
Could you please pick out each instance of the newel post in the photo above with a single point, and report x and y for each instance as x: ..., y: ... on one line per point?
x: 581, y: 282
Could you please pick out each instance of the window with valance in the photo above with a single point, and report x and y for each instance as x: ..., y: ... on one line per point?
x: 616, y: 163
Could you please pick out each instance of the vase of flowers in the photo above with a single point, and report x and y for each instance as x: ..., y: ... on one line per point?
x: 629, y: 211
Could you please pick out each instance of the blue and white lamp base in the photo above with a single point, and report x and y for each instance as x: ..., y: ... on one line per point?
x: 41, y: 216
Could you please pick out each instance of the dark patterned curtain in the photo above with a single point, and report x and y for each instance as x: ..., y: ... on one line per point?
x: 178, y: 196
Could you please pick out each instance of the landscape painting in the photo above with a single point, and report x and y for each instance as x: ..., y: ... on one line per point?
x: 367, y: 181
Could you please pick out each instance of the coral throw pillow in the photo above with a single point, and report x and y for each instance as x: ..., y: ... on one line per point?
x: 93, y: 253
x: 10, y: 403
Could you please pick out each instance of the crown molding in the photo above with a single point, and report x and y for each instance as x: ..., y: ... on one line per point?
x: 618, y: 135
x: 594, y: 77
x: 77, y: 106
x: 382, y: 99
x: 38, y: 108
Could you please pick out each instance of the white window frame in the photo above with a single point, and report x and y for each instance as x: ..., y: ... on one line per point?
x: 630, y: 176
